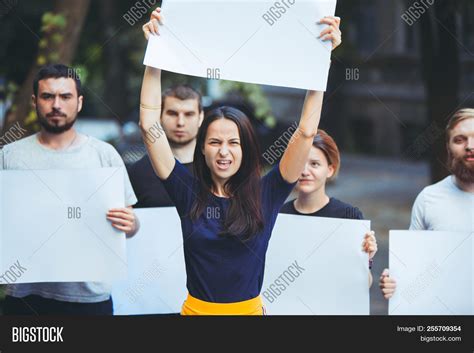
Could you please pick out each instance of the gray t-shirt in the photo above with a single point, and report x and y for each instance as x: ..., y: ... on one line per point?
x: 28, y: 153
x: 445, y: 207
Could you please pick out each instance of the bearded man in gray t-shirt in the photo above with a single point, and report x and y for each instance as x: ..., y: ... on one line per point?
x: 57, y: 99
x: 449, y: 204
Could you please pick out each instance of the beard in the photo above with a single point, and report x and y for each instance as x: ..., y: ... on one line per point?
x: 180, y: 143
x: 462, y: 170
x: 54, y: 129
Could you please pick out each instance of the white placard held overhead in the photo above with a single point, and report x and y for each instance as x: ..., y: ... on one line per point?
x: 263, y: 42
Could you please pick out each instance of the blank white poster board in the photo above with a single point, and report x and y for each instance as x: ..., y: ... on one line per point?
x: 156, y: 282
x: 242, y: 40
x: 433, y: 271
x: 53, y: 225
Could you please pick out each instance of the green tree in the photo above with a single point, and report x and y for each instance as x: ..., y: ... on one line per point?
x: 60, y: 33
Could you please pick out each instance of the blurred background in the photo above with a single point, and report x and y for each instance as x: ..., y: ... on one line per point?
x: 399, y: 75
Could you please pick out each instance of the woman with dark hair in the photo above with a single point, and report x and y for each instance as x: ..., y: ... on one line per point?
x: 227, y: 209
x: 323, y: 165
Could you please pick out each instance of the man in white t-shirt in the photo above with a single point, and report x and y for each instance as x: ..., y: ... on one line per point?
x: 57, y: 99
x: 449, y: 204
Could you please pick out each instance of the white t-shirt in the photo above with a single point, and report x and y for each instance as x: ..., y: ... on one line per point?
x: 444, y: 207
x: 28, y: 153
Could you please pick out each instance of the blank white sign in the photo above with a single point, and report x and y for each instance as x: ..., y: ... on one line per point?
x: 156, y: 280
x: 335, y: 279
x: 434, y: 273
x: 53, y: 223
x: 248, y: 41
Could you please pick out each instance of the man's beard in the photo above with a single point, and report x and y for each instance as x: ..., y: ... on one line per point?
x: 54, y: 129
x: 177, y: 142
x: 461, y: 170
x: 180, y: 143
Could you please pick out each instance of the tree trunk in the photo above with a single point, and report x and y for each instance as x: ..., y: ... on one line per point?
x: 60, y: 51
x: 115, y: 88
x: 441, y: 71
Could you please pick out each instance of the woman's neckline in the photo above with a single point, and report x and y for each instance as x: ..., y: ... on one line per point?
x: 307, y: 213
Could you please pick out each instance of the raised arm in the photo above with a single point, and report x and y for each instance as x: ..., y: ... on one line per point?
x: 155, y: 139
x: 296, y: 154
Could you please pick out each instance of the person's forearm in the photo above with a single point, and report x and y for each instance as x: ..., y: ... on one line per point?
x: 155, y: 139
x: 296, y: 154
x: 150, y: 98
x: 311, y: 113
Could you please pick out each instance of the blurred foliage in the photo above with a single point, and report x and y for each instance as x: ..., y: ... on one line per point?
x: 255, y: 96
x: 11, y: 89
x: 50, y: 33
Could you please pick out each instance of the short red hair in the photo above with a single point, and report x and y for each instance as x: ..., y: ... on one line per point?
x: 327, y: 145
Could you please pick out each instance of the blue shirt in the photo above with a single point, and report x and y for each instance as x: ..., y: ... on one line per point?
x: 223, y: 269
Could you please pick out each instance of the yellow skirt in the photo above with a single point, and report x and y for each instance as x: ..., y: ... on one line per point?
x: 194, y: 306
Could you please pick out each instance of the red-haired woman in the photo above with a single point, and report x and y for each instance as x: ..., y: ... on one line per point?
x: 322, y: 165
x: 227, y: 210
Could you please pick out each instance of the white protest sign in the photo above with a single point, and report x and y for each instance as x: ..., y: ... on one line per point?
x: 326, y: 254
x: 434, y: 272
x: 264, y: 42
x: 54, y: 228
x: 157, y: 280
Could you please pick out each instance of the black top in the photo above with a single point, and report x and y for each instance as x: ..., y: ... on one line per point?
x: 334, y: 209
x: 147, y: 186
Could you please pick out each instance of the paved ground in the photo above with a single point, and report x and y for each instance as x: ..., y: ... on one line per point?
x: 384, y: 189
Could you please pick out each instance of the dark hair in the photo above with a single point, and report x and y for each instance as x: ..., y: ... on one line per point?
x: 244, y: 216
x: 57, y: 71
x: 328, y: 146
x: 182, y: 92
